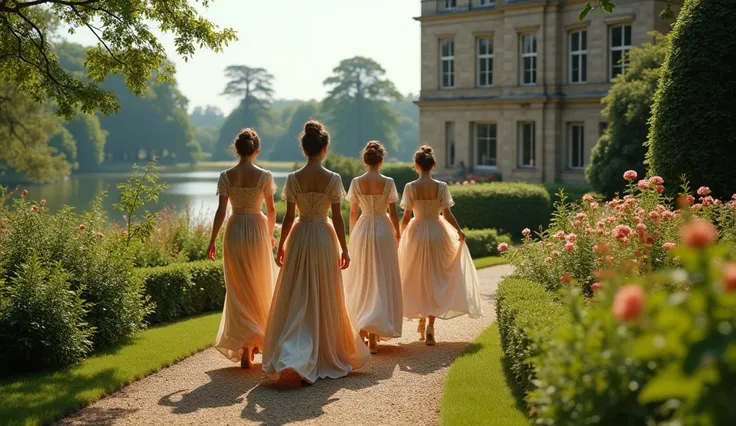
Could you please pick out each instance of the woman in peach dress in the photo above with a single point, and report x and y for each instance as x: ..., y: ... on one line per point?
x: 309, y: 330
x: 373, y: 282
x: 248, y: 257
x: 437, y: 273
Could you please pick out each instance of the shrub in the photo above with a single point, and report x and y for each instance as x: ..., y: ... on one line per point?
x: 574, y: 193
x: 508, y: 207
x: 484, y: 242
x: 184, y: 289
x: 41, y: 319
x: 526, y: 313
x: 694, y: 105
x: 401, y: 173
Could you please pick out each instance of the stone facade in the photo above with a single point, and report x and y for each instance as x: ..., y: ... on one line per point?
x: 563, y: 114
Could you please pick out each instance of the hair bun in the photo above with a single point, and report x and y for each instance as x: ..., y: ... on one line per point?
x: 373, y: 153
x: 247, y: 142
x: 427, y: 150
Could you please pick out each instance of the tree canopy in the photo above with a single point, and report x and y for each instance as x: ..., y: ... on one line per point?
x: 610, y: 5
x: 126, y: 47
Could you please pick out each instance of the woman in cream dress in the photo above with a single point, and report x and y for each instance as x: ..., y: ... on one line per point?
x: 309, y: 330
x: 248, y: 258
x: 373, y: 282
x: 437, y: 273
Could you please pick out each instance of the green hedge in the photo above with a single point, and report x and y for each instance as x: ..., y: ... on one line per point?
x: 184, y: 289
x: 484, y: 242
x: 508, y: 207
x: 526, y: 314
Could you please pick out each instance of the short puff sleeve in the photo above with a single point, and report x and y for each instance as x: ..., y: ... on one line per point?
x: 222, y: 184
x: 337, y: 192
x: 288, y: 194
x: 269, y: 185
x: 406, y: 199
x: 352, y: 196
x: 393, y: 194
x: 446, y: 200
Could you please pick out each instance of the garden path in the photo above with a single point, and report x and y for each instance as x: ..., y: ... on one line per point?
x: 401, y: 385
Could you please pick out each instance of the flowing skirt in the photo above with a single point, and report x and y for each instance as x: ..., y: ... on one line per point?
x: 437, y: 273
x: 309, y: 330
x: 250, y: 274
x: 373, y: 281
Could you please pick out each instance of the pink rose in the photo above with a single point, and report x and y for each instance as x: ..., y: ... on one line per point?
x: 630, y: 175
x: 657, y: 180
x: 587, y: 197
x: 555, y: 253
x: 43, y: 202
x: 571, y: 237
x: 596, y: 286
x: 668, y: 246
x: 594, y: 206
x: 24, y: 192
x: 548, y: 260
x: 699, y: 233
x: 703, y: 191
x: 503, y: 247
x: 660, y: 188
x: 526, y: 232
x: 560, y: 235
x: 580, y: 216
x: 628, y: 303
x: 80, y: 227
x: 34, y: 208
x: 566, y: 278
x: 569, y: 246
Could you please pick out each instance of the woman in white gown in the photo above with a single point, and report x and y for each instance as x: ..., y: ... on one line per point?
x: 309, y: 330
x: 373, y: 282
x: 248, y: 257
x: 438, y: 276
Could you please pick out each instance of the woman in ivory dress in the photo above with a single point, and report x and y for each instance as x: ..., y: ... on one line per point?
x: 373, y: 282
x: 248, y: 258
x: 309, y: 330
x: 437, y: 273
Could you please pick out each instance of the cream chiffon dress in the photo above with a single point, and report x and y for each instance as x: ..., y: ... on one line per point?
x: 309, y: 330
x: 250, y: 272
x: 373, y: 281
x: 437, y: 273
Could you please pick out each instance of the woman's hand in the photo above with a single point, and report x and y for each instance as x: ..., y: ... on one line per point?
x: 344, y: 260
x: 461, y: 235
x: 280, y: 257
x: 273, y: 241
x: 212, y: 251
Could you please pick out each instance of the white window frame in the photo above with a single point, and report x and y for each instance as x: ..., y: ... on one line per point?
x: 484, y: 57
x: 448, y: 5
x: 533, y: 59
x: 572, y: 129
x: 488, y: 141
x: 623, y: 48
x: 582, y: 55
x: 520, y: 145
x: 450, y: 144
x: 449, y: 59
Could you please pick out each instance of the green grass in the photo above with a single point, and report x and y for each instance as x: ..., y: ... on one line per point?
x: 477, y: 391
x: 485, y: 262
x: 44, y: 397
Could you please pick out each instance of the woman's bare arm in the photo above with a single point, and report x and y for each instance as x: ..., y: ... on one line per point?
x: 406, y: 219
x: 450, y: 218
x: 285, y: 229
x: 354, y: 215
x: 394, y: 216
x: 270, y: 214
x: 217, y: 224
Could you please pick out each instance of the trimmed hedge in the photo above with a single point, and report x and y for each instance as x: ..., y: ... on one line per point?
x: 484, y: 242
x: 526, y: 314
x: 184, y: 289
x: 508, y: 207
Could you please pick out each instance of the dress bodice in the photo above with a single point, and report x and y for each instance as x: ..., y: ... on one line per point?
x: 247, y: 199
x: 427, y: 209
x: 373, y: 205
x: 313, y: 205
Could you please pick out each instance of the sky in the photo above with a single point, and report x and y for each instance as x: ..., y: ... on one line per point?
x: 299, y: 42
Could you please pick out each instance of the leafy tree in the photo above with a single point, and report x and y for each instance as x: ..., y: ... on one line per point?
x: 127, y: 46
x: 357, y: 106
x: 208, y: 116
x: 287, y: 148
x: 407, y: 131
x: 253, y: 86
x: 609, y: 5
x: 693, y: 131
x: 627, y: 110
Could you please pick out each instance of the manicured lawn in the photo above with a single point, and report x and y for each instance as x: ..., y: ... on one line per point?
x: 44, y: 397
x: 476, y: 391
x: 485, y: 262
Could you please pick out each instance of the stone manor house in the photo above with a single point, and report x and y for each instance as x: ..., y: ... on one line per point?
x: 515, y: 86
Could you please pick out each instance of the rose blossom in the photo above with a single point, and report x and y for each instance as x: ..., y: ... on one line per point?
x: 628, y: 303
x: 503, y: 247
x: 697, y: 207
x: 24, y: 193
x: 594, y: 206
x: 667, y: 214
x: 575, y: 223
x: 643, y: 184
x: 668, y: 246
x: 569, y: 246
x: 580, y: 216
x: 34, y: 208
x: 630, y: 175
x: 698, y: 233
x: 43, y: 202
x: 654, y: 215
x: 571, y: 237
x: 657, y: 180
x: 555, y: 253
x: 703, y: 191
x: 621, y: 231
x: 566, y: 278
x: 641, y: 228
x: 588, y: 197
x: 595, y: 286
x: 660, y: 188
x: 548, y: 260
x: 526, y: 232
x: 560, y: 235
x: 729, y: 276
x: 80, y: 227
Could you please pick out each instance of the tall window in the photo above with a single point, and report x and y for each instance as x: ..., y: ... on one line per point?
x: 619, y: 50
x: 449, y: 144
x: 528, y: 59
x: 447, y: 4
x: 447, y: 64
x: 485, y: 62
x: 485, y: 145
x: 526, y: 144
x: 576, y: 147
x: 579, y: 56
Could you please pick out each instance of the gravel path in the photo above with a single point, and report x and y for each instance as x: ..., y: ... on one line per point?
x: 402, y: 385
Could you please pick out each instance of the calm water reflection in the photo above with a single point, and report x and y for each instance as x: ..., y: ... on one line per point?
x: 195, y: 188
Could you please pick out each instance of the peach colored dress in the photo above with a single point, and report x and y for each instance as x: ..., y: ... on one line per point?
x: 309, y: 329
x: 373, y: 281
x: 250, y: 272
x: 437, y: 273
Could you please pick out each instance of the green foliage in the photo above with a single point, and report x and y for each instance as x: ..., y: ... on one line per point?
x: 287, y: 147
x: 41, y: 319
x: 694, y: 104
x: 526, y: 315
x: 127, y: 46
x: 184, y: 289
x: 484, y: 242
x: 401, y: 173
x: 141, y: 188
x: 357, y: 105
x: 628, y: 108
x: 610, y: 5
x: 508, y: 207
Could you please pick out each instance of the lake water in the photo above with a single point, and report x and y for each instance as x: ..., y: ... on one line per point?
x: 194, y: 188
